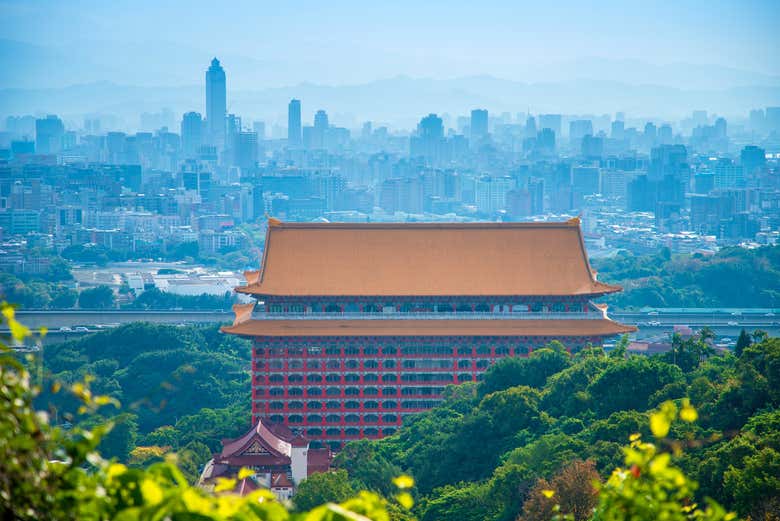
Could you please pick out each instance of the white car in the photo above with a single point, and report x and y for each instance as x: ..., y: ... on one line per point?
x: 81, y: 329
x: 732, y: 323
x: 65, y: 329
x: 654, y: 323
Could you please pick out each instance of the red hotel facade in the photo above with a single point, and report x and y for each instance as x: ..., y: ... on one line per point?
x: 358, y: 325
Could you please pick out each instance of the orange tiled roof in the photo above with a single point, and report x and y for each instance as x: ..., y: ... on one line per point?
x: 425, y: 259
x: 433, y: 327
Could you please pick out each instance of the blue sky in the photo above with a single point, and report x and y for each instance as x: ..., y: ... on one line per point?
x: 344, y: 42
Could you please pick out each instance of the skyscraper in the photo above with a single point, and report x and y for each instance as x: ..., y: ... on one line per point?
x: 294, y: 123
x: 191, y: 134
x: 479, y: 124
x: 48, y: 135
x: 216, y: 104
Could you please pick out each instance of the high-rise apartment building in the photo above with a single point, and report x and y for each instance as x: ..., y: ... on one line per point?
x: 294, y: 135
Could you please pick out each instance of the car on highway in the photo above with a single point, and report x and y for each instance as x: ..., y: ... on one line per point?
x: 65, y: 329
x: 654, y: 323
x: 732, y: 323
x: 81, y: 329
x: 653, y: 313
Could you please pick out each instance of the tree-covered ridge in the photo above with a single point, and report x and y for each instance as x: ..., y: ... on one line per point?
x: 181, y: 387
x: 733, y: 277
x: 491, y: 448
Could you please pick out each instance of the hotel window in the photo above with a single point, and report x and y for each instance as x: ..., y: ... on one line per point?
x: 333, y: 377
x: 276, y: 391
x: 351, y: 431
x: 482, y: 364
x: 332, y: 431
x: 275, y: 308
x: 277, y: 418
x: 465, y: 350
x: 333, y: 391
x: 463, y: 308
x: 314, y: 405
x: 390, y: 350
x: 260, y: 351
x: 370, y: 405
x: 351, y: 404
x: 389, y: 378
x: 370, y: 364
x: 295, y: 405
x: 464, y: 377
x: 333, y: 406
x: 314, y: 350
x: 482, y: 307
x: 558, y: 307
x: 332, y: 308
x: 351, y: 377
x: 388, y: 364
x: 314, y: 418
x: 295, y: 391
x: 277, y: 406
x: 370, y: 418
x: 536, y: 307
x: 351, y: 350
x: 314, y: 432
x: 332, y: 418
x: 352, y: 391
x: 370, y: 308
x: 483, y: 350
x: 502, y: 351
x: 464, y: 364
x: 276, y: 364
x: 296, y: 308
x: 333, y: 351
x: 389, y: 391
x: 314, y: 391
x: 314, y: 378
x: 333, y: 364
x: 276, y: 378
x: 352, y: 418
x: 313, y: 364
x: 388, y: 431
x: 370, y: 431
x: 295, y: 378
x: 295, y: 364
x: 351, y: 364
x: 370, y: 391
x: 370, y: 351
x: 370, y: 377
x: 389, y: 418
x: 389, y: 404
x: 295, y: 418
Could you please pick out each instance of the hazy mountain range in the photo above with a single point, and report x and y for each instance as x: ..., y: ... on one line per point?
x: 108, y: 77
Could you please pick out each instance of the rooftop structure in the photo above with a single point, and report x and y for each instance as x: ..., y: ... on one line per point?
x: 358, y: 325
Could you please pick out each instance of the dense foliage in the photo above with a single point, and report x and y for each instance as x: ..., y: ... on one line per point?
x: 181, y: 388
x: 734, y: 277
x: 492, y: 449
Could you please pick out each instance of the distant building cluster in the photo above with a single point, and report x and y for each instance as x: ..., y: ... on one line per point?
x: 693, y: 185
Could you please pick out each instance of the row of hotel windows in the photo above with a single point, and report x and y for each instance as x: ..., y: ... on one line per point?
x: 338, y: 350
x: 418, y: 307
x: 441, y: 363
x: 351, y: 391
x: 367, y: 377
x: 351, y: 405
x: 335, y: 432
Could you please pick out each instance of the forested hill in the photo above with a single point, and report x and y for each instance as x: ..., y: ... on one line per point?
x: 180, y: 388
x: 555, y: 421
x: 734, y: 277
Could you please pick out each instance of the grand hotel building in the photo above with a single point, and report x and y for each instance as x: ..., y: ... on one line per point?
x: 357, y: 325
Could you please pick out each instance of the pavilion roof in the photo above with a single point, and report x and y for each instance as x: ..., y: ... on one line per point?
x: 563, y: 328
x: 424, y: 259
